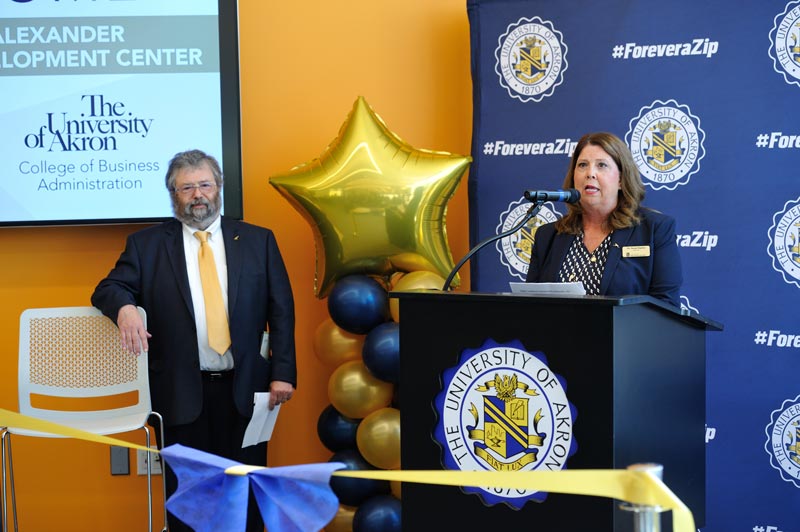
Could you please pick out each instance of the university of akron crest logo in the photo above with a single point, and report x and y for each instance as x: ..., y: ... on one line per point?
x: 502, y: 408
x: 784, y: 43
x: 783, y: 440
x: 531, y: 59
x: 515, y: 249
x: 667, y: 144
x: 784, y: 242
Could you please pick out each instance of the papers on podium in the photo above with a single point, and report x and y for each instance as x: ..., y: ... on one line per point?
x: 262, y: 422
x: 548, y: 289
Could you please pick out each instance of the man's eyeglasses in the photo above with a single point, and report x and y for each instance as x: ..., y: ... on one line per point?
x: 187, y: 190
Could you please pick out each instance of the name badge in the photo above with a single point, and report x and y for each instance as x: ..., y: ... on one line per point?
x: 636, y: 251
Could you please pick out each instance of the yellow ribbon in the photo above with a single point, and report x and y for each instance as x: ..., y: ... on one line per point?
x: 18, y: 421
x: 636, y: 487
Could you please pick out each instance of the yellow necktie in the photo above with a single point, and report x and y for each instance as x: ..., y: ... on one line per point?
x: 219, y: 336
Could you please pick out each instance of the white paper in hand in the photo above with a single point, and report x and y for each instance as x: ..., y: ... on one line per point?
x: 263, y: 421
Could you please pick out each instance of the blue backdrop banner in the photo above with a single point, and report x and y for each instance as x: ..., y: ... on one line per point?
x: 705, y: 94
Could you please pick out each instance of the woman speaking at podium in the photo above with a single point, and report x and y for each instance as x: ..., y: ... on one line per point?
x: 607, y: 240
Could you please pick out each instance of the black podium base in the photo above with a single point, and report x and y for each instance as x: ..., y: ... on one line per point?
x: 633, y: 369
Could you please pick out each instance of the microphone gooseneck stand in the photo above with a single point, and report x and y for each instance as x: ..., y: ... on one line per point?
x: 533, y: 211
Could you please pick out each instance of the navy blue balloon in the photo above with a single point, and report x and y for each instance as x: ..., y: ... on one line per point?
x: 354, y: 491
x: 378, y: 513
x: 335, y: 431
x: 358, y: 303
x: 381, y: 351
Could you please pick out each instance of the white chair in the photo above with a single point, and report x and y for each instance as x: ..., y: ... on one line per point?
x: 72, y: 357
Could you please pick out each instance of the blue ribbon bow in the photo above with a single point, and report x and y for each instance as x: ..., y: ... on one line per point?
x: 209, y: 499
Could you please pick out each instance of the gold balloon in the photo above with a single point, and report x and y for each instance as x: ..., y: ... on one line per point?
x: 335, y: 346
x: 413, y: 281
x: 378, y: 438
x: 343, y: 520
x: 355, y: 393
x: 397, y: 488
x: 375, y: 204
x: 395, y: 277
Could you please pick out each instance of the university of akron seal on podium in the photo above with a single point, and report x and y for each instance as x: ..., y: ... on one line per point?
x: 502, y: 408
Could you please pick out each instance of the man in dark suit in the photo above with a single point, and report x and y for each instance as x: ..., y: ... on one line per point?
x: 205, y: 394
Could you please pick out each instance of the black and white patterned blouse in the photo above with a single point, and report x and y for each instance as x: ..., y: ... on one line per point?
x: 580, y: 265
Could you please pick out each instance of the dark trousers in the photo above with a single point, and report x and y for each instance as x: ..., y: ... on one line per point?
x: 219, y: 430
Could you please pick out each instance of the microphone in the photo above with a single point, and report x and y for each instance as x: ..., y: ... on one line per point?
x: 569, y: 196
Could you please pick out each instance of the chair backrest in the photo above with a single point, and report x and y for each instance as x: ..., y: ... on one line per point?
x: 74, y: 371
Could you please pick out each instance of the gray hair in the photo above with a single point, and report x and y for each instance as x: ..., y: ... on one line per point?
x: 191, y: 159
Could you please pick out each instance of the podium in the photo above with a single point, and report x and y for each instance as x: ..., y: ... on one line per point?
x: 633, y: 369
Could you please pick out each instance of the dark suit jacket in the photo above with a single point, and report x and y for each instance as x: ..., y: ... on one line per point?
x: 151, y: 273
x: 658, y: 275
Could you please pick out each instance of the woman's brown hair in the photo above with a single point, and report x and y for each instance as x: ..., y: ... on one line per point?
x: 631, y: 191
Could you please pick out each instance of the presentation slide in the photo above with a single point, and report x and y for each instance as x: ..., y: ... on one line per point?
x: 98, y: 97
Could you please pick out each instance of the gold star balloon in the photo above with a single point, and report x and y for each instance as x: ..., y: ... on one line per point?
x: 375, y: 204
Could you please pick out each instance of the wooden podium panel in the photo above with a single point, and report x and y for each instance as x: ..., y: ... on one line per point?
x: 634, y: 370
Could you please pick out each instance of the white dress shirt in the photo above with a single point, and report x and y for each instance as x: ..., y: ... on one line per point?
x: 210, y: 360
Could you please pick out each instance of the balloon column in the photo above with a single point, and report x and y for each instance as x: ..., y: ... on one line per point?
x: 377, y: 208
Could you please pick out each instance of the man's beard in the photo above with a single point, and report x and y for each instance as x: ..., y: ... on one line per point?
x: 200, y: 217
